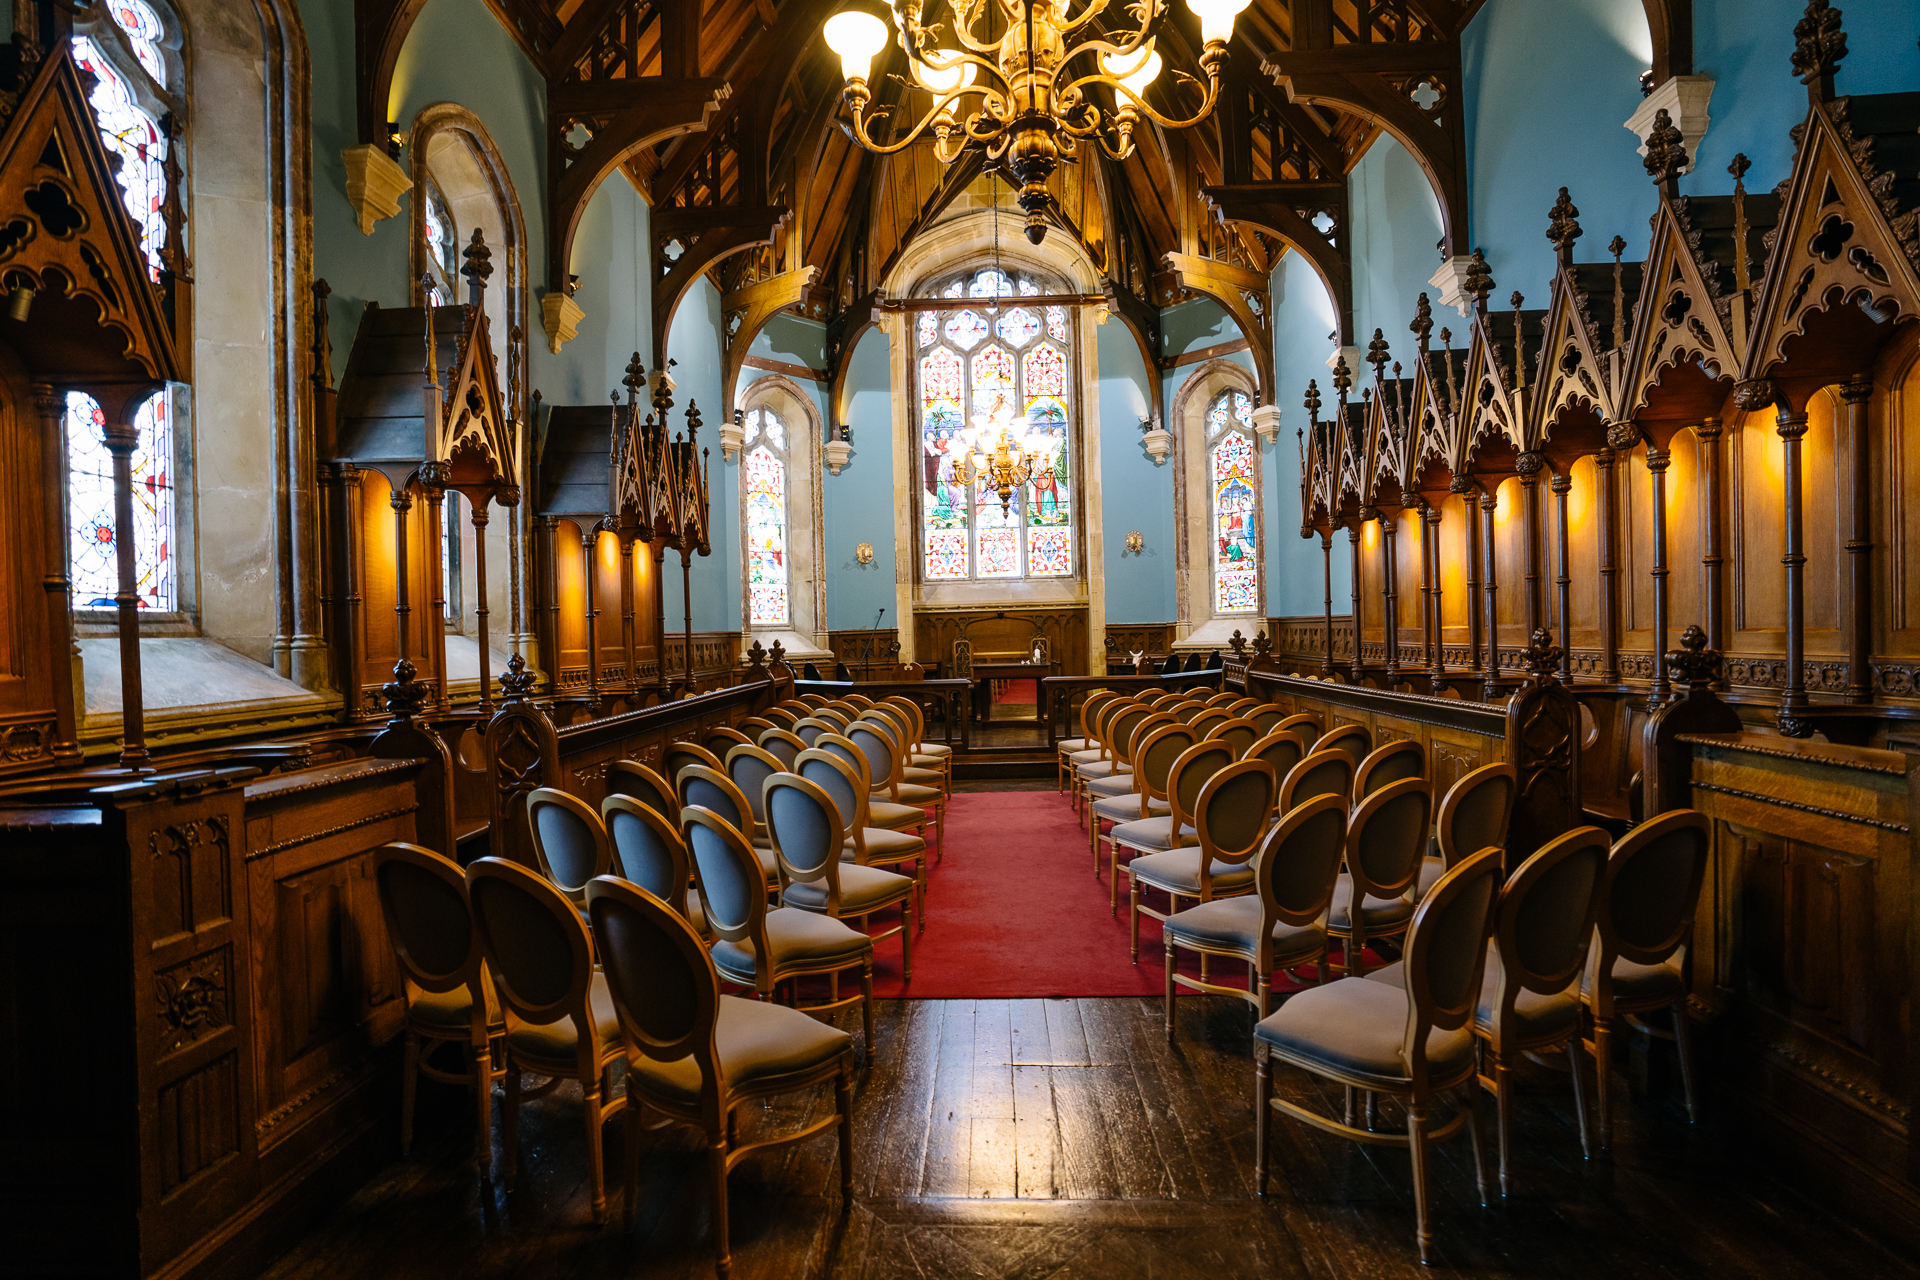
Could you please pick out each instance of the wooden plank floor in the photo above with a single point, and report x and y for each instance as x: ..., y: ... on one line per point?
x: 1067, y: 1138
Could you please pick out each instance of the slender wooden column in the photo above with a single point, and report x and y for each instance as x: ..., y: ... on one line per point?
x: 1856, y: 392
x: 589, y: 549
x: 686, y: 600
x: 1353, y: 543
x: 1490, y: 681
x: 436, y: 626
x: 1437, y: 645
x: 1326, y: 577
x: 1658, y: 460
x: 121, y: 440
x: 1388, y: 528
x: 551, y: 564
x: 1464, y: 487
x: 1607, y: 494
x: 479, y: 516
x: 401, y: 502
x: 626, y: 615
x: 1791, y: 720
x: 356, y: 544
x: 1529, y: 466
x: 660, y: 600
x: 50, y: 405
x: 1714, y: 558
x: 1562, y: 485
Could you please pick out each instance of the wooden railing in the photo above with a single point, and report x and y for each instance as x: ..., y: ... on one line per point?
x: 941, y: 702
x: 1063, y: 693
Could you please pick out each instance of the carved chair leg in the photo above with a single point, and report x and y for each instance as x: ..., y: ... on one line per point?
x: 596, y: 1171
x: 1683, y: 1042
x: 1262, y: 1115
x: 1417, y: 1145
x: 483, y: 1088
x: 630, y: 1159
x: 1579, y: 1094
x: 1476, y: 1131
x: 1503, y: 1108
x: 1133, y: 917
x: 717, y: 1169
x: 1167, y: 943
x: 1603, y: 1071
x: 843, y: 1103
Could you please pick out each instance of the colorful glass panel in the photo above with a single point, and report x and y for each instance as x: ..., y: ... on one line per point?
x: 1057, y: 323
x: 144, y: 31
x: 992, y: 376
x: 1049, y: 553
x: 766, y: 502
x: 946, y: 554
x: 1028, y: 289
x: 1232, y: 473
x: 965, y: 329
x: 991, y: 283
x: 1018, y: 326
x: 929, y: 327
x: 92, y: 550
x: 940, y: 377
x: 135, y: 137
x: 1045, y: 371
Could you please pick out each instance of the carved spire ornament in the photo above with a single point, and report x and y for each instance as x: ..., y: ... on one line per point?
x: 1616, y: 247
x: 1378, y: 354
x: 1422, y: 324
x: 479, y: 267
x: 1479, y: 280
x: 1563, y: 227
x: 1693, y: 664
x: 1666, y: 151
x: 1819, y: 44
x: 1542, y: 657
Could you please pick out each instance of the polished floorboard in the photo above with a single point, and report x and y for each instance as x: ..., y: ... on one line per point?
x: 1068, y: 1138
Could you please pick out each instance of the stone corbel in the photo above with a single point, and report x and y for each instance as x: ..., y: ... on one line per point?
x: 562, y: 317
x: 1451, y: 282
x: 837, y: 450
x: 1352, y: 355
x: 1156, y: 440
x: 1685, y: 100
x: 1266, y: 421
x: 375, y: 183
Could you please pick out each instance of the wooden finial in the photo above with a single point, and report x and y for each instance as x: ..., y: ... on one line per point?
x: 1819, y: 44
x: 1616, y: 247
x: 1446, y: 358
x: 479, y: 266
x: 1519, y: 343
x: 1666, y: 153
x: 322, y: 349
x: 1378, y: 354
x: 1563, y: 228
x: 1312, y: 403
x: 1739, y: 169
x: 1479, y: 282
x: 1422, y: 323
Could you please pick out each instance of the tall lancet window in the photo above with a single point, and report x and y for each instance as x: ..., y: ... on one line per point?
x: 442, y: 247
x: 1232, y: 472
x: 128, y: 129
x: 979, y: 367
x: 764, y: 475
x: 93, y: 550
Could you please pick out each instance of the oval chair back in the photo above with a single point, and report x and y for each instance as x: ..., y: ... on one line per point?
x: 1185, y: 710
x: 1151, y: 696
x: 807, y: 834
x: 1652, y: 885
x: 882, y: 756
x: 1189, y: 774
x: 1103, y: 726
x: 836, y: 715
x: 1090, y: 711
x: 754, y: 726
x: 631, y: 778
x: 1389, y: 762
x: 843, y: 747
x: 1267, y: 718
x: 815, y: 700
x: 647, y: 850
x: 783, y: 744
x: 535, y: 943
x: 1475, y: 811
x: 1386, y: 837
x: 423, y: 898
x: 787, y: 717
x: 1243, y: 706
x: 1163, y: 744
x: 665, y: 989
x: 679, y: 755
x: 1350, y: 738
x: 1282, y: 751
x: 843, y: 784
x: 723, y: 738
x: 859, y: 700
x: 1231, y: 815
x: 1319, y: 773
x: 1239, y: 733
x: 810, y: 729
x: 705, y: 788
x: 901, y: 723
x: 733, y: 889
x: 1307, y: 726
x: 1297, y: 867
x: 1225, y: 698
x: 1545, y: 919
x: 1446, y: 956
x: 750, y: 767
x: 568, y: 841
x: 1208, y: 721
x: 1120, y: 728
x: 1129, y: 751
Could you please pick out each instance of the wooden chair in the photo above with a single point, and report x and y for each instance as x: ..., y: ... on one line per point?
x: 648, y: 851
x: 1388, y: 762
x: 1173, y: 829
x: 1066, y: 747
x: 1229, y: 818
x: 1410, y: 1041
x: 907, y: 716
x: 1225, y: 698
x: 1304, y: 724
x: 846, y: 785
x: 925, y: 771
x: 1319, y: 773
x: 884, y: 756
x: 631, y: 778
x: 449, y: 993
x: 748, y: 767
x: 1350, y: 738
x: 754, y: 726
x: 679, y: 755
x: 809, y: 729
x: 1121, y: 783
x: 695, y: 1056
x: 569, y: 843
x: 723, y: 738
x: 713, y: 789
x: 1242, y: 707
x: 783, y: 744
x: 1239, y: 733
x: 1097, y: 752
x: 814, y: 700
x: 1160, y: 745
x: 1283, y: 751
x: 1473, y: 815
x: 1645, y: 920
x: 1282, y: 924
x: 809, y: 836
x: 559, y: 1016
x: 1267, y: 717
x: 1209, y: 721
x: 1184, y: 709
x: 1116, y: 734
x: 760, y: 947
x: 1385, y: 837
x: 785, y: 716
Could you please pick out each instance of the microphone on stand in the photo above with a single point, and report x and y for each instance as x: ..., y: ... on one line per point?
x: 873, y: 635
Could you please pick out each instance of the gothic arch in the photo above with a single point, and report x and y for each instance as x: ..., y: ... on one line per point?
x: 807, y: 583
x: 1195, y: 620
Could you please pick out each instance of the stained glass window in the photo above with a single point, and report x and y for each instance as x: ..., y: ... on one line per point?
x: 763, y: 473
x: 135, y: 137
x: 972, y: 363
x: 93, y: 554
x: 443, y: 247
x: 1232, y: 474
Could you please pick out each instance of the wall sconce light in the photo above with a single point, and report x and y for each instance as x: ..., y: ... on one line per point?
x: 1135, y: 543
x: 395, y: 139
x: 838, y: 449
x: 864, y: 553
x: 733, y: 434
x: 20, y: 300
x: 1157, y: 441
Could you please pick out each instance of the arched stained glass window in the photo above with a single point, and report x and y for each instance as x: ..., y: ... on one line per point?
x: 443, y: 247
x: 763, y: 471
x: 93, y: 555
x: 1232, y: 473
x: 974, y: 365
x: 126, y: 128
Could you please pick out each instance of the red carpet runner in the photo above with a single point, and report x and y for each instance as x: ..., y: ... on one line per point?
x: 1016, y: 912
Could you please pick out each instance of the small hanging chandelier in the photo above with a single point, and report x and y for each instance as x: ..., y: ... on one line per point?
x: 1000, y: 451
x: 1019, y: 98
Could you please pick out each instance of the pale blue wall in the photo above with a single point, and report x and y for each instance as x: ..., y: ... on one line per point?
x: 693, y: 344
x: 1135, y: 493
x: 860, y: 500
x: 1396, y: 222
x: 1302, y: 318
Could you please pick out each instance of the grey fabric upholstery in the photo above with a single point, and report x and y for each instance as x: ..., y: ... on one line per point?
x: 1233, y: 922
x: 862, y: 889
x: 557, y: 1042
x: 643, y: 857
x: 753, y: 1040
x: 567, y: 844
x: 1118, y: 785
x: 1379, y: 914
x: 1178, y: 871
x: 884, y: 813
x: 884, y: 845
x: 1152, y: 833
x: 1634, y: 983
x: 1359, y: 1029
x: 1539, y: 1015
x: 795, y: 937
x: 1125, y: 808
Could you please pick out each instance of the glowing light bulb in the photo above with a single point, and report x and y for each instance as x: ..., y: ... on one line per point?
x: 856, y: 36
x: 943, y: 71
x: 1216, y: 18
x: 1135, y: 71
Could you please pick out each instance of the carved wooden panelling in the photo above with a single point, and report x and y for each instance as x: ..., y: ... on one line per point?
x: 1451, y: 757
x: 196, y: 1122
x: 192, y: 876
x: 193, y: 999
x: 1006, y: 635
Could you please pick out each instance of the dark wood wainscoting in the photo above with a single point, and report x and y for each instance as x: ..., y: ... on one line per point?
x: 1004, y: 635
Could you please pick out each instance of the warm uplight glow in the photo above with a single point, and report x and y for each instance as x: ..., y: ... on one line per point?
x: 1216, y: 18
x: 1370, y: 535
x: 608, y: 545
x: 856, y: 37
x: 1503, y: 502
x: 948, y: 72
x: 1579, y: 496
x: 1134, y: 70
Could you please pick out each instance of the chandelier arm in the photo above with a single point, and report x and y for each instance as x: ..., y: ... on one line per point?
x: 1140, y: 104
x: 963, y: 21
x: 1095, y: 8
x: 865, y: 139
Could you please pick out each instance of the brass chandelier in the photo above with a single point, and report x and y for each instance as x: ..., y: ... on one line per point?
x: 1018, y: 95
x: 999, y: 452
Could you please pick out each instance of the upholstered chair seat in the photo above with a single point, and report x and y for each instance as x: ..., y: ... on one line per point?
x: 753, y: 1041
x: 913, y: 794
x: 928, y: 779
x: 1636, y: 982
x: 557, y: 1042
x: 1381, y: 915
x: 1233, y: 923
x: 793, y: 936
x: 451, y: 1010
x: 862, y: 890
x: 1119, y: 784
x: 1178, y: 871
x: 884, y: 845
x: 1535, y: 1014
x: 1355, y: 1031
x: 1152, y: 832
x: 1125, y: 808
x: 1084, y: 755
x: 886, y: 814
x: 1070, y: 746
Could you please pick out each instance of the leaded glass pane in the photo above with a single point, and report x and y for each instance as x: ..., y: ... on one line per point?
x: 1018, y: 326
x: 766, y: 502
x: 144, y: 31
x: 965, y: 329
x: 93, y: 558
x: 135, y: 137
x: 1057, y: 323
x: 929, y: 327
x: 1232, y: 463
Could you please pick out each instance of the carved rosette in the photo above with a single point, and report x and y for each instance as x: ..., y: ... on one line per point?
x: 1693, y: 664
x: 516, y: 682
x: 1622, y: 436
x: 1460, y: 484
x: 1529, y: 463
x: 1755, y: 394
x: 1542, y: 657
